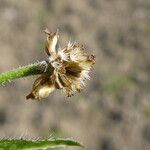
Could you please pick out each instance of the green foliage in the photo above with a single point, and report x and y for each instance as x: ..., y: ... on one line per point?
x: 21, y: 144
x: 147, y: 30
x: 146, y: 5
x: 117, y: 83
x: 147, y: 110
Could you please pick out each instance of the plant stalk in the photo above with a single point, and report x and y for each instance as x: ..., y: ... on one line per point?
x: 33, y: 69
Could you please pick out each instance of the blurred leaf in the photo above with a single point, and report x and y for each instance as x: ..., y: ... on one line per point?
x: 147, y: 110
x: 147, y: 30
x: 21, y: 144
x: 117, y: 83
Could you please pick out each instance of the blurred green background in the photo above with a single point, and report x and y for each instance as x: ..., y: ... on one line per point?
x: 113, y: 111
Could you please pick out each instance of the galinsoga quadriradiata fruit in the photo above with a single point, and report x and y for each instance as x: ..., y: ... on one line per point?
x: 68, y: 69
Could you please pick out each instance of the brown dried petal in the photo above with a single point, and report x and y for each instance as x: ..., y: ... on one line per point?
x: 42, y: 87
x: 51, y: 42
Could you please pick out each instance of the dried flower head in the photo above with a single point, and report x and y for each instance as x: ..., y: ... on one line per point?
x: 68, y: 69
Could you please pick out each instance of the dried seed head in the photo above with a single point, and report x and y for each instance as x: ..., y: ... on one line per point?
x: 68, y: 70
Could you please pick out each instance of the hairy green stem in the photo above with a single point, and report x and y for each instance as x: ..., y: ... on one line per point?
x: 33, y: 69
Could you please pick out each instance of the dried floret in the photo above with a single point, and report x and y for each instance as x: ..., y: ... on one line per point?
x: 68, y: 69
